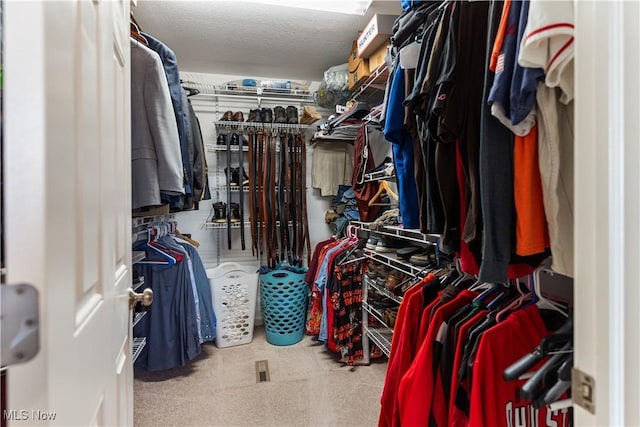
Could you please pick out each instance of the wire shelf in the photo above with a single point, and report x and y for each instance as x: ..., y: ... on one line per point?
x: 138, y: 256
x: 413, y: 235
x: 395, y: 263
x: 138, y: 345
x: 381, y: 337
x: 375, y: 313
x: 382, y: 291
x: 253, y: 92
x: 223, y: 225
x: 259, y: 125
x: 138, y: 316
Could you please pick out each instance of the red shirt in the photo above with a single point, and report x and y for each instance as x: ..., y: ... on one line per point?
x: 415, y: 392
x: 403, y: 347
x: 494, y: 401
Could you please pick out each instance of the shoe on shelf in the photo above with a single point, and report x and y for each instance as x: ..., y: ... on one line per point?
x: 267, y: 115
x: 279, y: 115
x: 245, y: 178
x: 234, y: 178
x: 406, y: 252
x: 219, y: 212
x: 388, y: 245
x: 309, y: 115
x: 420, y: 259
x: 222, y: 139
x: 393, y: 280
x: 292, y: 115
x: 235, y: 212
x: 227, y: 116
x: 255, y: 116
x: 234, y: 139
x: 238, y: 117
x: 371, y: 243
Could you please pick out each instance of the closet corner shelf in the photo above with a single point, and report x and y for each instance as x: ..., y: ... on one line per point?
x: 378, y: 176
x: 138, y: 316
x: 377, y: 80
x: 381, y: 337
x: 394, y: 263
x: 138, y: 345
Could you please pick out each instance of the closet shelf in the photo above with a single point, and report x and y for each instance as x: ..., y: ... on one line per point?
x: 375, y: 84
x: 215, y: 148
x: 378, y: 176
x: 253, y: 93
x: 234, y: 188
x: 382, y: 291
x: 138, y: 316
x: 223, y: 225
x: 394, y: 263
x: 139, y: 283
x: 412, y: 235
x: 137, y: 256
x: 258, y: 125
x: 138, y: 345
x: 375, y: 313
x: 381, y: 337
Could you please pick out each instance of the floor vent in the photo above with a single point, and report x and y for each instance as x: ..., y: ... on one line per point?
x: 262, y: 371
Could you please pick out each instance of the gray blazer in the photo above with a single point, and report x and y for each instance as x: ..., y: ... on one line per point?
x: 156, y: 161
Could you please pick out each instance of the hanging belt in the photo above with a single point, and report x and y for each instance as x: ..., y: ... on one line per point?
x: 285, y: 188
x: 241, y: 188
x: 301, y: 182
x: 292, y: 197
x: 252, y: 191
x: 273, y: 202
x: 229, y: 187
x: 260, y: 195
x: 305, y: 218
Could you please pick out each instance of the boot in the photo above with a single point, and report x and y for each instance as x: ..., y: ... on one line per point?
x: 235, y: 212
x: 267, y: 115
x: 219, y: 212
x: 235, y: 139
x: 255, y: 116
x: 222, y: 139
x: 233, y: 179
x: 279, y: 115
x: 238, y: 117
x: 292, y: 115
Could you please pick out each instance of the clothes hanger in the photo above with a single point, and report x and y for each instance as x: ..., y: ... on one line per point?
x: 539, y: 299
x: 134, y: 31
x: 187, y: 239
x: 167, y: 258
x: 382, y: 187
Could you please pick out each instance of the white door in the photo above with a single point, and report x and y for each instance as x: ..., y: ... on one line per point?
x: 68, y: 227
x: 607, y: 208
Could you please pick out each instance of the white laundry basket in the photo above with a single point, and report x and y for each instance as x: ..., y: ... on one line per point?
x: 233, y: 288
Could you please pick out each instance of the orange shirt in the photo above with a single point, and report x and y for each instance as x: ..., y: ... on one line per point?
x: 532, y: 235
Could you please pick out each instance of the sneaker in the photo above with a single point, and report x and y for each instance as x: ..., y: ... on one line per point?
x: 388, y: 245
x: 420, y: 259
x: 222, y: 139
x: 406, y: 252
x: 371, y: 243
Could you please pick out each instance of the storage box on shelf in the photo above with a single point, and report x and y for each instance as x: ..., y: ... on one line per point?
x: 358, y: 67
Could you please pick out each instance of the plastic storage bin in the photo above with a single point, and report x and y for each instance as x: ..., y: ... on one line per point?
x: 284, y: 306
x: 233, y: 288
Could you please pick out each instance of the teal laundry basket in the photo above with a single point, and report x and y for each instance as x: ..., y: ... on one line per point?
x: 284, y: 298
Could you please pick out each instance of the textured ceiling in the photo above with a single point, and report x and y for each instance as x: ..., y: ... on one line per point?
x: 253, y: 40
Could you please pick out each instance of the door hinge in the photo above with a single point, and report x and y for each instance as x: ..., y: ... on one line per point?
x: 20, y: 326
x: 583, y: 390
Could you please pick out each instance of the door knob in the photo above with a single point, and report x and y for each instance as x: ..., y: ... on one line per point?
x: 145, y: 297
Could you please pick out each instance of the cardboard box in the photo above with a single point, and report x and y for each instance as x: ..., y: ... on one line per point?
x: 377, y: 58
x: 358, y: 67
x: 377, y: 32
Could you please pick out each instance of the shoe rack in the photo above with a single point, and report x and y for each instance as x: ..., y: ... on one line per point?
x: 379, y: 305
